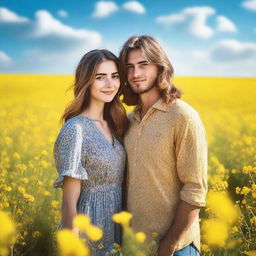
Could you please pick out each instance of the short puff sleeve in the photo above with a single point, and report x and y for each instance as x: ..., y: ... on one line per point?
x: 68, y: 153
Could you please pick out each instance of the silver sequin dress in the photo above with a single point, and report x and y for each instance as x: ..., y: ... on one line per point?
x: 81, y: 151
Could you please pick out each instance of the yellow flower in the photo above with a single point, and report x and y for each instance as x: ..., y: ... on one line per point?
x: 44, y: 153
x: 19, y: 212
x: 4, y: 251
x: 8, y: 141
x: 122, y: 218
x: 36, y: 234
x: 39, y: 183
x: 21, y: 167
x: 70, y: 245
x: 154, y: 234
x: 228, y: 212
x: 94, y: 233
x: 24, y: 180
x: 253, y: 220
x: 245, y: 191
x: 28, y: 197
x: 238, y: 190
x: 82, y: 222
x: 54, y: 204
x: 140, y: 237
x: 101, y: 246
x: 7, y: 228
x: 16, y: 155
x: 247, y: 169
x: 250, y: 253
x: 235, y: 229
x: 46, y: 193
x: 21, y: 190
x: 117, y: 246
x: 205, y: 247
x: 44, y: 164
x: 8, y: 188
x: 215, y: 232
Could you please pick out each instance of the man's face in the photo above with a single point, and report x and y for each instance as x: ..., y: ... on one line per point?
x: 141, y: 74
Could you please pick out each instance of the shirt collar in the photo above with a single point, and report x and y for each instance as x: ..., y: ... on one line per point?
x: 159, y: 104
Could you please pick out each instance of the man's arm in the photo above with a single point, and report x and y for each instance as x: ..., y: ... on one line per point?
x: 191, y: 153
x: 184, y: 217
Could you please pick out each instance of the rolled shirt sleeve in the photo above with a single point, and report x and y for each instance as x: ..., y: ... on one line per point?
x: 191, y: 154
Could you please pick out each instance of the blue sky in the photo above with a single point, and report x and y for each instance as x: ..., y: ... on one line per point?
x: 201, y: 38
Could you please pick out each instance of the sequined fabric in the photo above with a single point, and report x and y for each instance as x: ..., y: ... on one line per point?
x: 81, y: 151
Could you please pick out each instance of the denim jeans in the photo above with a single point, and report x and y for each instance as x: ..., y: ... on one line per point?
x: 189, y: 250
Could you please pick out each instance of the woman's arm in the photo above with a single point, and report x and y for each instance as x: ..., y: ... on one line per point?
x: 70, y: 194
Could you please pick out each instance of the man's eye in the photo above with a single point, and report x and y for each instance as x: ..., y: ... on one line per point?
x: 129, y: 67
x: 144, y: 64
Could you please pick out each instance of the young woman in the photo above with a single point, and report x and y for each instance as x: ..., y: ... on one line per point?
x: 88, y: 152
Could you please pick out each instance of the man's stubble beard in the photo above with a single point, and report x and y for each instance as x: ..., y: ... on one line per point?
x: 145, y: 90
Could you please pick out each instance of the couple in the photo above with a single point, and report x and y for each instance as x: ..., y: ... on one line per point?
x: 164, y: 143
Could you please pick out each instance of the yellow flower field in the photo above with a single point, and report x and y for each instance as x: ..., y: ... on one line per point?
x: 30, y: 108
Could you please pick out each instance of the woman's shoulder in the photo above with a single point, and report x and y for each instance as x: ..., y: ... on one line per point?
x: 73, y: 126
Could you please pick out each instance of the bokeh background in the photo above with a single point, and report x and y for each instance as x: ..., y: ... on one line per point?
x: 212, y: 46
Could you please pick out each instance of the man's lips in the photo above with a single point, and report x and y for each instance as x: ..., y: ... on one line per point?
x: 138, y: 80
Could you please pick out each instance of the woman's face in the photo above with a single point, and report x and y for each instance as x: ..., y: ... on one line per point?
x: 106, y: 83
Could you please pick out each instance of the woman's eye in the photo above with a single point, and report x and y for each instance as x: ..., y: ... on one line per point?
x: 115, y: 76
x: 100, y: 77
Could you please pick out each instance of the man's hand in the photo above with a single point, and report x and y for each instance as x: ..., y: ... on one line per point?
x: 166, y: 248
x: 184, y: 217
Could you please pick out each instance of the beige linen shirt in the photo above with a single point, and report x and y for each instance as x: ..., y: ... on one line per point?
x: 167, y: 163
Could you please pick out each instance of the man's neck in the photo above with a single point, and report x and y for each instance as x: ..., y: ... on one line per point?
x: 147, y: 100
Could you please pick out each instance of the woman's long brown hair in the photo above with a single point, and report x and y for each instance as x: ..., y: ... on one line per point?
x: 153, y: 53
x: 114, y: 112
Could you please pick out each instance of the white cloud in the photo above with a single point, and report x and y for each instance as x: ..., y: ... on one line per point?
x: 197, y: 24
x: 56, y: 47
x: 172, y: 19
x: 104, y: 9
x: 7, y: 16
x: 5, y: 60
x: 47, y: 26
x: 62, y: 13
x: 193, y: 18
x: 231, y: 50
x: 51, y: 33
x: 225, y: 25
x: 134, y: 6
x: 250, y: 5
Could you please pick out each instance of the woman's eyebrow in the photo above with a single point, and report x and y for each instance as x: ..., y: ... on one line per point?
x: 104, y: 74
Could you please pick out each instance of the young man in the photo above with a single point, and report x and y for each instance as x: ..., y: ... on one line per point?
x: 167, y: 151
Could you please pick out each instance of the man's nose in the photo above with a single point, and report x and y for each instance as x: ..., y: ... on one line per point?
x: 136, y: 72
